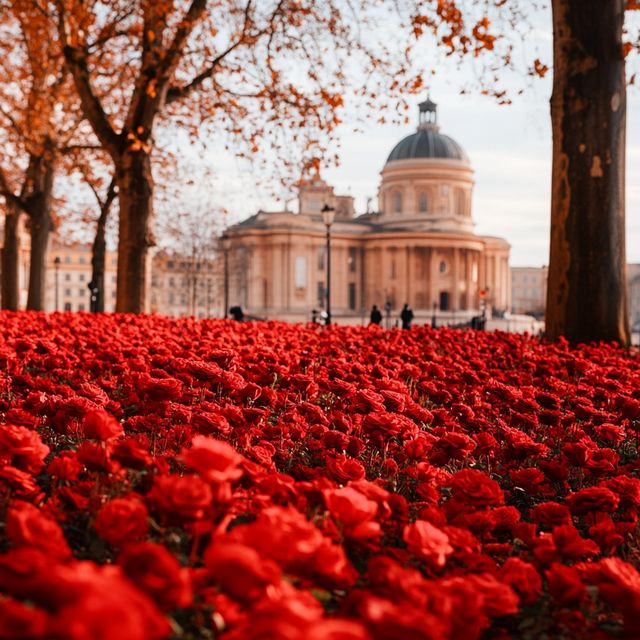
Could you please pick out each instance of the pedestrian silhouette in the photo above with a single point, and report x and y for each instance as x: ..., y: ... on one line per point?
x: 237, y: 313
x: 376, y: 315
x: 406, y: 315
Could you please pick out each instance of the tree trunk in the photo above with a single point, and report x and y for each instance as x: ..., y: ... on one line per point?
x: 41, y: 224
x: 38, y: 206
x: 586, y: 297
x: 98, y: 255
x: 135, y: 197
x: 10, y: 259
x: 99, y: 250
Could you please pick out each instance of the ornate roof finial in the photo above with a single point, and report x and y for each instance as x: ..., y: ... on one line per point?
x: 428, y: 118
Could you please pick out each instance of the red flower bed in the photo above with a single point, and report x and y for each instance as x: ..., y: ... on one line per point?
x: 164, y: 478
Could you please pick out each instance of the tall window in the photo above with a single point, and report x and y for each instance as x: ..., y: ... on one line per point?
x: 321, y: 300
x: 423, y: 203
x: 393, y: 268
x: 460, y: 202
x: 397, y: 202
x: 321, y: 258
x: 352, y: 296
x: 351, y: 259
x: 300, y: 272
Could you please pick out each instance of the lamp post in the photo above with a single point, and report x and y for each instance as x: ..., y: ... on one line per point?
x: 224, y: 240
x: 56, y: 264
x: 328, y: 215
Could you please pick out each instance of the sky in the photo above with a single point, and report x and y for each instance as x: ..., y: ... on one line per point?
x: 509, y: 147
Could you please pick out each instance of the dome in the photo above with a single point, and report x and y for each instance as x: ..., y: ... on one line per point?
x: 427, y: 141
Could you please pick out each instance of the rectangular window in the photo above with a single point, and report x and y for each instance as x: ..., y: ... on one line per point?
x: 67, y: 292
x: 81, y: 277
x: 67, y: 306
x: 352, y: 258
x: 300, y: 272
x: 81, y: 307
x: 393, y: 268
x: 80, y: 292
x: 352, y: 296
x: 321, y: 258
x: 67, y: 277
x: 321, y: 295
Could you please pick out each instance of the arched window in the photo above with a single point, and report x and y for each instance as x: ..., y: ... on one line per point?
x: 423, y: 202
x: 397, y: 202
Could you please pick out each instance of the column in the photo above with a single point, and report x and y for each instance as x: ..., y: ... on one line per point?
x: 455, y: 302
x: 434, y: 293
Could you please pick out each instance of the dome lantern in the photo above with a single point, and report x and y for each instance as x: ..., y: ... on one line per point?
x: 428, y: 118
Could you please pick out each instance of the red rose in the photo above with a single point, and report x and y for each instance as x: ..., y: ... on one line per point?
x: 100, y: 425
x: 550, y: 514
x: 131, y: 453
x: 565, y: 585
x: 499, y: 599
x: 181, y: 498
x: 216, y: 461
x: 619, y: 585
x: 629, y: 407
x: 27, y: 526
x: 343, y: 469
x: 156, y: 572
x: 163, y: 389
x: 571, y: 545
x: 240, y: 570
x: 18, y: 620
x: 523, y: 578
x: 105, y: 605
x: 626, y: 488
x: 65, y: 466
x: 476, y: 489
x: 427, y: 543
x: 122, y: 520
x: 354, y: 512
x: 592, y: 499
x: 22, y: 448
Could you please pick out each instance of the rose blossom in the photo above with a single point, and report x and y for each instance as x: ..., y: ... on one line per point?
x: 122, y: 520
x: 427, y: 543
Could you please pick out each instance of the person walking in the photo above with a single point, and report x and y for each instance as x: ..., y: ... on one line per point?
x: 376, y: 315
x: 406, y: 315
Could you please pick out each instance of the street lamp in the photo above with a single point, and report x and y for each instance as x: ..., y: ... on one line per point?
x: 224, y: 241
x: 328, y: 215
x: 56, y: 264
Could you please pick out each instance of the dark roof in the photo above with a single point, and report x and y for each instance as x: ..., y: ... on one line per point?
x: 427, y: 143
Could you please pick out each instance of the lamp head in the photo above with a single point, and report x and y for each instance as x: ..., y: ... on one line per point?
x: 328, y: 215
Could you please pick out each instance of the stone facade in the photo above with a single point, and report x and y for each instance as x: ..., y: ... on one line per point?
x: 529, y: 290
x: 418, y: 248
x: 67, y: 282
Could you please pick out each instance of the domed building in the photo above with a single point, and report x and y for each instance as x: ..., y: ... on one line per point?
x: 418, y: 248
